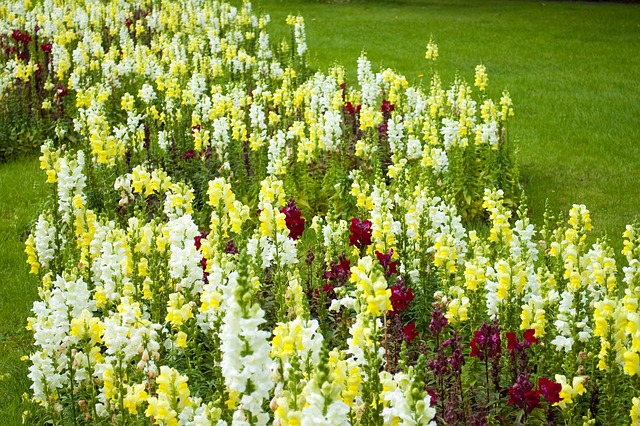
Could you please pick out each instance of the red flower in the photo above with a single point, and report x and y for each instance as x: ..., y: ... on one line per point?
x: 293, y: 219
x: 387, y: 106
x: 340, y: 270
x: 387, y: 264
x: 409, y: 331
x: 400, y: 297
x: 550, y: 390
x: 61, y: 91
x: 512, y: 340
x: 529, y: 339
x: 46, y: 47
x: 360, y: 233
x: 522, y: 394
x: 20, y: 36
x: 476, y: 343
x: 530, y: 336
x: 433, y: 397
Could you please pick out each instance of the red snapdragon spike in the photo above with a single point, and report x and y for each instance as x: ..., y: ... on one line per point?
x: 512, y: 340
x: 340, y: 270
x: 390, y: 267
x: 433, y: 397
x: 327, y: 288
x: 522, y: 394
x: 387, y: 106
x: 198, y: 239
x: 350, y: 108
x: 46, y: 47
x: 188, y: 154
x: 293, y: 219
x: 550, y: 390
x: 361, y: 233
x: 20, y: 37
x: 486, y: 342
x: 382, y: 130
x: 476, y: 343
x: 61, y: 91
x: 409, y: 331
x: 530, y: 336
x: 400, y: 297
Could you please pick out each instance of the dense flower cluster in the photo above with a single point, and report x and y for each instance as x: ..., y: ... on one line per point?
x: 178, y: 286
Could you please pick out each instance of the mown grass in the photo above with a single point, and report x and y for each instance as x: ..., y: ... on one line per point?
x: 22, y: 188
x: 572, y: 69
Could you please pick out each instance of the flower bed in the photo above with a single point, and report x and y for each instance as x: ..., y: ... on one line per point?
x: 233, y: 238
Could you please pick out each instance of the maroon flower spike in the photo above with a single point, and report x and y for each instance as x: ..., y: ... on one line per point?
x: 293, y: 219
x: 188, y: 154
x: 530, y: 336
x: 514, y: 344
x: 400, y: 297
x: 550, y: 390
x: 61, y: 91
x: 433, y: 397
x: 231, y: 247
x: 46, y: 47
x: 409, y: 331
x: 20, y: 37
x: 486, y: 342
x: 522, y: 394
x: 387, y: 264
x: 360, y: 233
x: 198, y: 239
x: 512, y: 340
x: 438, y: 320
x: 387, y: 106
x: 340, y: 270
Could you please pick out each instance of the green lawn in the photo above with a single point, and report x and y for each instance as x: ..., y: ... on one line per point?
x: 23, y: 189
x: 572, y: 68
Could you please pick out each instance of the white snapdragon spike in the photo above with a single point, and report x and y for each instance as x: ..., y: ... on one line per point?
x: 45, y: 240
x: 258, y: 126
x: 522, y: 244
x: 51, y: 326
x: 564, y: 323
x: 246, y: 365
x: 71, y: 182
x: 369, y: 82
x: 220, y: 137
x: 110, y: 267
x: 211, y: 300
x: 395, y: 136
x: 184, y: 258
x: 323, y: 406
x: 450, y: 131
x: 277, y: 155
